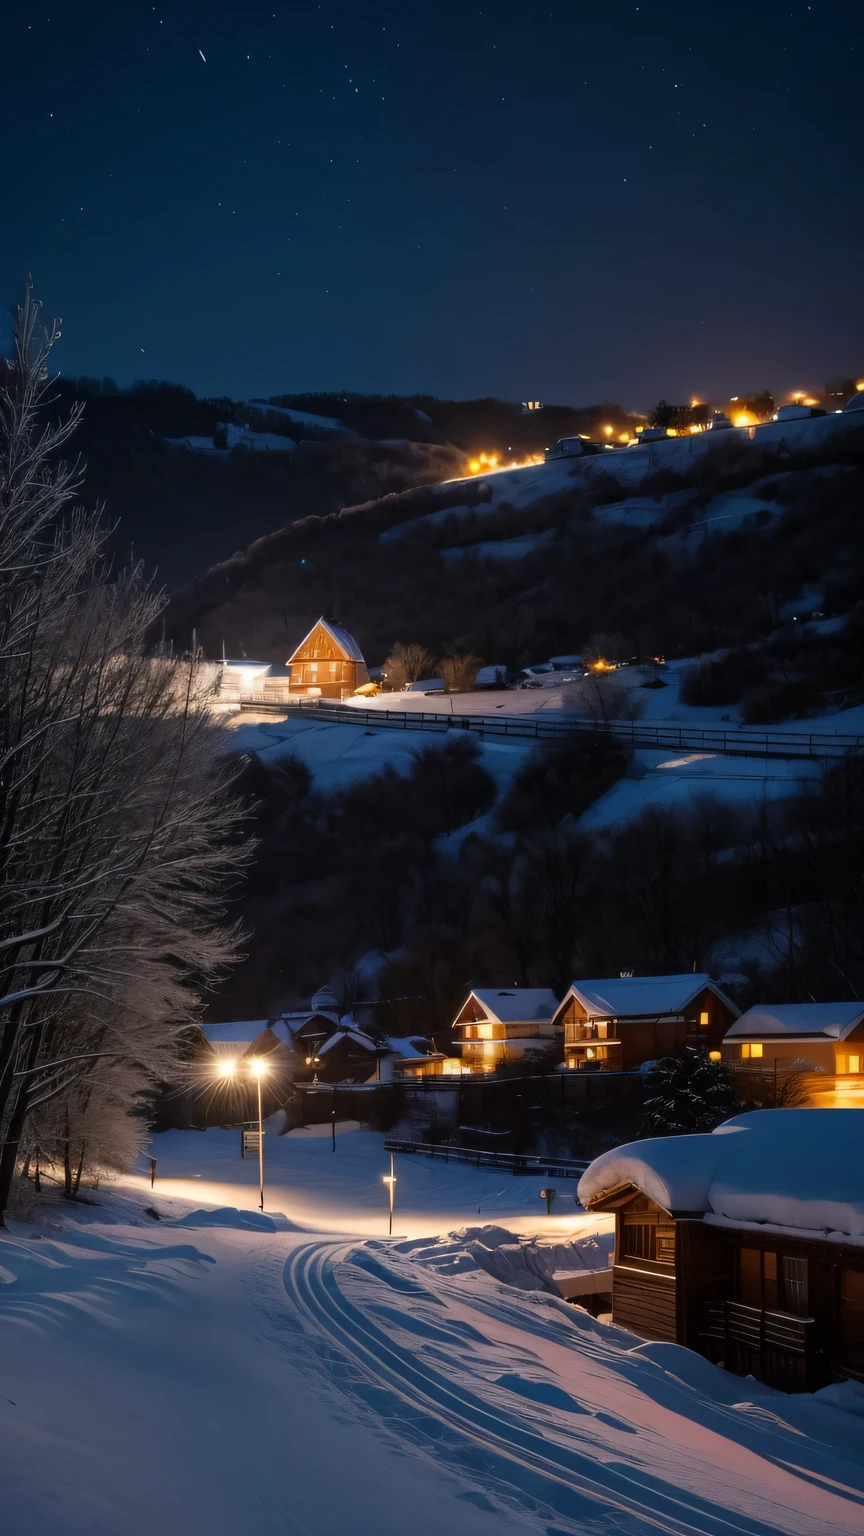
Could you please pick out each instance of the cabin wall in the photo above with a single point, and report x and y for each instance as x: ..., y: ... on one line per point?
x: 644, y: 1289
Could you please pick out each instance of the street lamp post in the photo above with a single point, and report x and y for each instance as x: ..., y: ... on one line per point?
x: 390, y: 1179
x: 258, y: 1069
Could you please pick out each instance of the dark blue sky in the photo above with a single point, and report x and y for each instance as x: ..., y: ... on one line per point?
x: 567, y: 202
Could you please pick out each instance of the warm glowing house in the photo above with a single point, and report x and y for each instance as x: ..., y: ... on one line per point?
x: 822, y: 1039
x: 495, y: 1024
x: 617, y: 1023
x: 328, y: 664
x: 745, y: 1245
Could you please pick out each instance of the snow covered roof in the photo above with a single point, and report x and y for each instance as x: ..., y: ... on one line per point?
x: 795, y: 1170
x: 244, y: 1031
x: 340, y: 637
x: 355, y: 1035
x: 621, y: 997
x: 408, y: 1047
x: 516, y: 1005
x: 834, y: 1021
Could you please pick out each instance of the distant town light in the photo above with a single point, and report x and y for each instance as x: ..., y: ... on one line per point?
x: 608, y: 431
x: 860, y: 384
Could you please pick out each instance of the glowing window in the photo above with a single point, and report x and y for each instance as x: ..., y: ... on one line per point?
x: 751, y: 1052
x: 704, y: 1020
x: 854, y: 1064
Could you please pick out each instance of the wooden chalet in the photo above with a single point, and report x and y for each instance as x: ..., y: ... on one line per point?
x: 497, y: 1023
x: 823, y: 1041
x: 328, y: 664
x: 746, y: 1245
x: 616, y: 1023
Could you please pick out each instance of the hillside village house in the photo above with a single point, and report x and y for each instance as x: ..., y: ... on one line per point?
x: 824, y: 1040
x: 617, y: 1023
x: 745, y: 1245
x: 496, y: 1023
x: 328, y: 664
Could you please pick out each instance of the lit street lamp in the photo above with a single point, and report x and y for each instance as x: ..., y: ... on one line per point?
x: 258, y: 1068
x: 227, y: 1067
x: 390, y: 1178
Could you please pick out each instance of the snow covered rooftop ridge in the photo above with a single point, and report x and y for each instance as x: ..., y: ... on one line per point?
x: 516, y: 1005
x: 338, y: 635
x: 641, y: 996
x: 799, y: 1169
x: 833, y: 1020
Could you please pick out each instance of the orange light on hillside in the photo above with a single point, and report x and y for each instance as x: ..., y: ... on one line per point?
x: 744, y: 419
x: 696, y: 427
x: 601, y: 665
x: 695, y: 402
x: 860, y: 385
x: 809, y: 400
x: 607, y: 431
x: 797, y: 396
x: 624, y: 437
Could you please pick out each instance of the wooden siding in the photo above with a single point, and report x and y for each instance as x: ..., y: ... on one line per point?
x: 644, y: 1301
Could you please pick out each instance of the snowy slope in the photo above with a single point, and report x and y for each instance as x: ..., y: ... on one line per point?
x: 339, y: 754
x: 221, y: 1371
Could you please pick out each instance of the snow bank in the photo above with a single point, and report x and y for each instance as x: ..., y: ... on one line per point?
x: 580, y: 1266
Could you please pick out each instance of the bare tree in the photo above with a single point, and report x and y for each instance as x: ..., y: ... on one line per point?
x: 117, y: 824
x: 407, y: 664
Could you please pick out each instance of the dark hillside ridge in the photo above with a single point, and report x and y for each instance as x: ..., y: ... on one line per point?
x: 664, y: 592
x: 182, y: 512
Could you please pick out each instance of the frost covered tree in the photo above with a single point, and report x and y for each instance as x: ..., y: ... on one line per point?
x: 118, y: 825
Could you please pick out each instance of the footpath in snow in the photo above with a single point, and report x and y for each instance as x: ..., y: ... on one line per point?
x: 218, y: 1370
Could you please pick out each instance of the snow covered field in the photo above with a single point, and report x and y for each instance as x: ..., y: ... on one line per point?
x: 221, y: 1371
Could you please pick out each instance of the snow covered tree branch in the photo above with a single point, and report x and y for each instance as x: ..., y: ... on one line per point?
x: 118, y: 825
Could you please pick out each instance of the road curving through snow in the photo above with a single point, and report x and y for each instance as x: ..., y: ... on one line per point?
x: 440, y: 1362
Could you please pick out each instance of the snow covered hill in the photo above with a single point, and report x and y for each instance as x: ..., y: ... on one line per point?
x: 217, y: 1369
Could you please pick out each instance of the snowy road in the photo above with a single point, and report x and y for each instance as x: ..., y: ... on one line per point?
x: 168, y: 1367
x: 559, y: 1415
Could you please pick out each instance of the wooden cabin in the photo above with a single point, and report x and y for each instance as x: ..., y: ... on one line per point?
x: 824, y: 1041
x: 328, y: 664
x: 746, y: 1245
x: 495, y: 1024
x: 615, y: 1024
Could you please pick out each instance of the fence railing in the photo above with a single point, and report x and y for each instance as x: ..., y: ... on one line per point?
x: 732, y: 742
x: 519, y: 1165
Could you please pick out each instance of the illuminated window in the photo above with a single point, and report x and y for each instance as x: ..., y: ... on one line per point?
x: 750, y: 1052
x: 704, y: 1020
x: 854, y: 1064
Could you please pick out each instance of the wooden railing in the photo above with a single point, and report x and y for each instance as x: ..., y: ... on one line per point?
x: 731, y: 742
x: 518, y: 1165
x: 757, y: 1328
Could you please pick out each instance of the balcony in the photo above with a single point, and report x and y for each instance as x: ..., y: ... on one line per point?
x: 778, y: 1348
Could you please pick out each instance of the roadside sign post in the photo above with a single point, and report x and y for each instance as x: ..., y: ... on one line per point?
x: 548, y: 1195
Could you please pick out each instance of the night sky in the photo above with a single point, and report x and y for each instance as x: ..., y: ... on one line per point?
x: 560, y: 202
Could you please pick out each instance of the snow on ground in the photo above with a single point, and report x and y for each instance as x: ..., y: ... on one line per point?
x: 337, y: 755
x: 221, y: 1371
x: 680, y: 779
x: 342, y: 1191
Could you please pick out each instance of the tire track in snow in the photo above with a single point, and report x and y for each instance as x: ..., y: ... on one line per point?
x: 598, y: 1495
